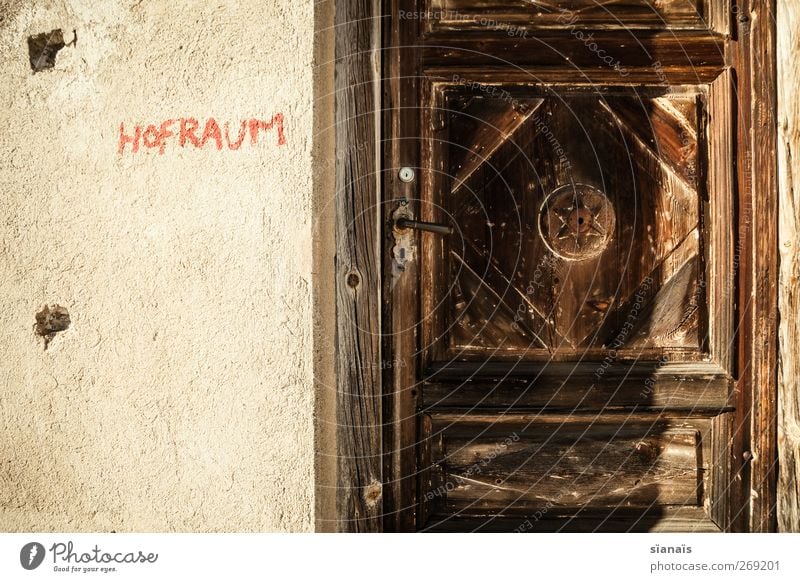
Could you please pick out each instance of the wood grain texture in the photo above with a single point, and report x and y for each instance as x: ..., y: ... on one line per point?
x: 358, y: 307
x: 678, y: 51
x: 664, y: 520
x: 759, y: 281
x: 512, y: 294
x: 719, y: 212
x: 401, y: 148
x: 718, y: 501
x: 496, y: 128
x: 564, y: 72
x: 585, y: 468
x: 520, y: 464
x: 501, y: 14
x: 577, y: 386
x: 686, y: 333
x: 788, y: 19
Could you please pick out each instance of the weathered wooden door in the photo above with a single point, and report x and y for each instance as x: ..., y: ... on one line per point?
x: 567, y: 357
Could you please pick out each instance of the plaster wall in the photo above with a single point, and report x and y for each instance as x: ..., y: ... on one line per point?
x: 182, y: 396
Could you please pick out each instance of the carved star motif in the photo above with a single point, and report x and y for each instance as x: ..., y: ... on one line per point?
x: 578, y: 221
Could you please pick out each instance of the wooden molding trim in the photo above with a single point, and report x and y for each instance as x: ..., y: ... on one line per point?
x: 755, y: 473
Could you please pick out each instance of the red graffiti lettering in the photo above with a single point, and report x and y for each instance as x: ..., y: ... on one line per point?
x: 238, y: 143
x: 212, y: 131
x: 188, y: 127
x: 157, y: 136
x: 151, y: 137
x: 125, y: 139
x: 164, y: 133
x: 257, y: 124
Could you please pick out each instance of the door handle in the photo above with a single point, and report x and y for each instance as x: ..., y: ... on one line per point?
x: 434, y: 227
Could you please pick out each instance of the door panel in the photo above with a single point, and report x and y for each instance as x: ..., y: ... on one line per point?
x: 518, y: 464
x: 566, y: 355
x: 552, y: 469
x: 578, y: 224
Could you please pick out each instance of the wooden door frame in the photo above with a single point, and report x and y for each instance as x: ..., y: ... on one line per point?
x: 368, y: 427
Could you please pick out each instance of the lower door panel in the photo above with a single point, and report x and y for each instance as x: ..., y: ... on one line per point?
x: 551, y: 472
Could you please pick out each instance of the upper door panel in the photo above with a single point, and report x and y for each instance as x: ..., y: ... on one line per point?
x: 584, y: 223
x: 579, y: 230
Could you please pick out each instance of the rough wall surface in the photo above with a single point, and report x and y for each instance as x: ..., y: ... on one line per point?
x: 181, y: 397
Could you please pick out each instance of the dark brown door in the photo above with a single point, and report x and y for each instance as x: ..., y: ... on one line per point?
x: 565, y: 359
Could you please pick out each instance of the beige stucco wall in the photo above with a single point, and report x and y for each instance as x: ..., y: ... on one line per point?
x: 182, y: 397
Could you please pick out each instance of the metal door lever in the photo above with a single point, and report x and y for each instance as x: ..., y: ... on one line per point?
x: 426, y: 226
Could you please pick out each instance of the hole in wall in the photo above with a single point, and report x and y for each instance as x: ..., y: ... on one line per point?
x: 43, y: 48
x: 50, y: 320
